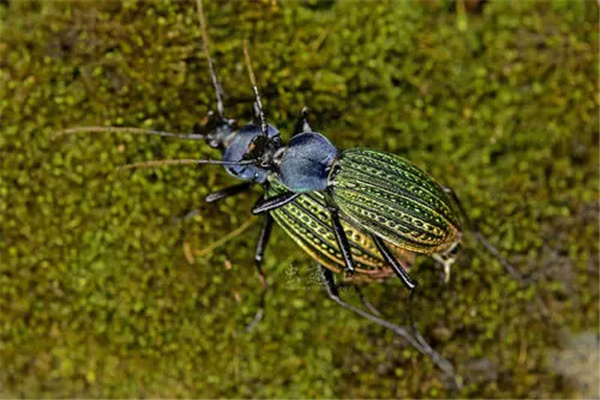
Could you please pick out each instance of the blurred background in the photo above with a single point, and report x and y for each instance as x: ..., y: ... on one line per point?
x: 101, y: 294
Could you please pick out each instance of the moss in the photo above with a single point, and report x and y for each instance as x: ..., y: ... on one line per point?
x: 498, y: 101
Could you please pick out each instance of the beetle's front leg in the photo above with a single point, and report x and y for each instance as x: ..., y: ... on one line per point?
x: 264, y: 205
x: 228, y: 192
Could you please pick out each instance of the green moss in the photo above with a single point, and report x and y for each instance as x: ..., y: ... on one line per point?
x: 97, y: 297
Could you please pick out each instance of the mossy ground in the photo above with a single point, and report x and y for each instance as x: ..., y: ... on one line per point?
x: 97, y: 299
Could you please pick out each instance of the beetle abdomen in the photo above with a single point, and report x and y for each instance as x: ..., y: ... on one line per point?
x: 307, y: 221
x: 393, y: 199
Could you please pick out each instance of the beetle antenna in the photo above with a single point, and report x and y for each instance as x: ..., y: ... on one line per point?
x: 261, y: 114
x: 213, y: 76
x: 137, y: 131
x: 183, y: 161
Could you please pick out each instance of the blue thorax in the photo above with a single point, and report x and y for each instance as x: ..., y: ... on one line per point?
x: 307, y: 162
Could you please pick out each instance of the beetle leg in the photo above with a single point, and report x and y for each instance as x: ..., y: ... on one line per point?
x: 219, y: 195
x: 340, y: 235
x: 480, y: 237
x: 334, y: 295
x: 415, y: 340
x: 264, y: 205
x: 261, y: 246
x: 302, y: 125
x: 263, y: 240
x: 228, y: 192
x: 394, y: 263
x: 366, y: 302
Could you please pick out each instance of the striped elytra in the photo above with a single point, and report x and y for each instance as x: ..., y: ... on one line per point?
x: 307, y: 221
x: 390, y: 197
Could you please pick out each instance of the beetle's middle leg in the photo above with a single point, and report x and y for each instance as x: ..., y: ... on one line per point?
x: 340, y: 234
x: 261, y: 246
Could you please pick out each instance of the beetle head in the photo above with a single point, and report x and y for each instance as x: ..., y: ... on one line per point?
x: 217, y: 130
x: 266, y: 151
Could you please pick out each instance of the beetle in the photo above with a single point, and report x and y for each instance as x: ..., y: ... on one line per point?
x: 388, y: 197
x: 304, y: 219
x: 359, y: 211
x: 382, y: 194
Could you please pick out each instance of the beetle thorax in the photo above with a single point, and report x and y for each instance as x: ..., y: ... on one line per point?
x: 306, y: 163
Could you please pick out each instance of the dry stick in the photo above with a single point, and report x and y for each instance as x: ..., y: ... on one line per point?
x: 187, y: 252
x: 320, y: 40
x: 231, y: 235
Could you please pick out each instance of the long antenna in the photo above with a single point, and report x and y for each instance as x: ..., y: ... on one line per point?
x: 183, y: 161
x: 213, y: 75
x: 261, y: 114
x: 137, y: 131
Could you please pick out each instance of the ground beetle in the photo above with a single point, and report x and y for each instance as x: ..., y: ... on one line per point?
x: 360, y: 211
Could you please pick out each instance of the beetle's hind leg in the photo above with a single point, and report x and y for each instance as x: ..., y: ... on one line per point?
x: 340, y: 234
x: 332, y: 292
x: 261, y: 246
x: 446, y: 264
x: 414, y: 339
x: 480, y: 237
